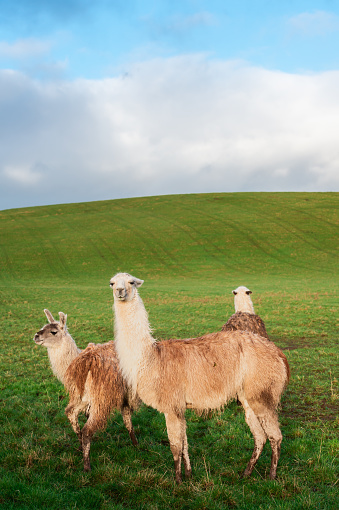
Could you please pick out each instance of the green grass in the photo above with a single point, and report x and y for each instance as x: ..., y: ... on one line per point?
x: 191, y: 251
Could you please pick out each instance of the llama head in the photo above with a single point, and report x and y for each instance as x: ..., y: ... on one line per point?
x: 242, y: 300
x: 52, y: 334
x: 124, y: 286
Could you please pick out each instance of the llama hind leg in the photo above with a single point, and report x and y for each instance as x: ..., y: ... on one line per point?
x: 90, y: 427
x: 259, y: 436
x: 72, y: 412
x: 270, y: 424
x: 126, y: 413
x: 187, y: 464
x: 176, y: 434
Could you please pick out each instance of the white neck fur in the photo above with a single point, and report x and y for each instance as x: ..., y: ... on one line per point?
x: 132, y: 337
x: 62, y: 356
x: 243, y: 303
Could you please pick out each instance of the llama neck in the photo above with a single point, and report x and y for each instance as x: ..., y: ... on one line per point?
x: 61, y: 357
x: 133, y: 337
x: 244, y: 305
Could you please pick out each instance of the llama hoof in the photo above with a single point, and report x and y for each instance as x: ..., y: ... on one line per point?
x: 134, y: 441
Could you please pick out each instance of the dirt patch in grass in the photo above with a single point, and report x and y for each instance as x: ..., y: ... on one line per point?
x: 291, y: 344
x: 326, y: 411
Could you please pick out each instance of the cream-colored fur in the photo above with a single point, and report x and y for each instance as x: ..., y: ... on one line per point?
x: 242, y: 300
x: 201, y: 373
x: 134, y: 317
x: 61, y: 348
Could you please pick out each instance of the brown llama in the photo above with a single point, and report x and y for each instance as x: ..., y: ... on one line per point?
x: 244, y: 318
x: 91, y: 377
x: 200, y: 373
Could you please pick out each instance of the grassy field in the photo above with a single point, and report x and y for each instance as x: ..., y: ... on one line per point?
x: 191, y: 250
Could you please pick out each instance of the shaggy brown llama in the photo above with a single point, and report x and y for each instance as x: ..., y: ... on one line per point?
x: 91, y: 377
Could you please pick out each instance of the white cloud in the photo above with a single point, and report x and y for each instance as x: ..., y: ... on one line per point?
x: 177, y: 125
x: 314, y: 23
x: 22, y: 175
x: 23, y: 48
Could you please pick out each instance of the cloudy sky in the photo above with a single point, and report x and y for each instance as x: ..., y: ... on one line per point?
x: 118, y: 98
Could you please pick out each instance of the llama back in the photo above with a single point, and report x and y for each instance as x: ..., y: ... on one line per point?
x: 209, y: 371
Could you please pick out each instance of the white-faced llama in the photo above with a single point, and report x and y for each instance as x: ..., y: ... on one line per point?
x: 200, y: 373
x: 92, y: 378
x: 244, y: 318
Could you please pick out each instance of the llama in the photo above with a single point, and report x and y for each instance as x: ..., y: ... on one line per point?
x: 242, y: 300
x: 91, y: 377
x: 200, y: 373
x: 244, y: 317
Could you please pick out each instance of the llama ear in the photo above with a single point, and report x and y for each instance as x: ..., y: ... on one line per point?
x: 138, y: 282
x: 49, y: 315
x: 63, y: 319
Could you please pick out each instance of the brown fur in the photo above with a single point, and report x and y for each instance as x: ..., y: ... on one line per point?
x: 201, y: 373
x: 246, y: 322
x: 206, y: 373
x: 209, y: 371
x: 95, y: 377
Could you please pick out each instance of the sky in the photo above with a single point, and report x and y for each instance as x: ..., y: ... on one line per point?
x: 123, y: 98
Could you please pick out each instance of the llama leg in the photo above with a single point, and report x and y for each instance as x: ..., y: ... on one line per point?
x: 175, y: 431
x: 127, y: 417
x: 87, y: 432
x: 270, y: 424
x: 187, y: 464
x: 72, y: 412
x: 258, y: 435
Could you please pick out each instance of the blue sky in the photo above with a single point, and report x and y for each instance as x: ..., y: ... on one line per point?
x: 129, y: 98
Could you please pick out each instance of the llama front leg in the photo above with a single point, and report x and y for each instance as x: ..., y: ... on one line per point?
x: 176, y: 434
x: 127, y: 418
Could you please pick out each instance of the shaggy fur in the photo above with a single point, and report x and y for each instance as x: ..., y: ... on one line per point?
x: 246, y: 322
x: 92, y: 378
x: 201, y: 373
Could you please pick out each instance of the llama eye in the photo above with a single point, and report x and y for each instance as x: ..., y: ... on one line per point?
x: 54, y: 332
x: 131, y: 283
